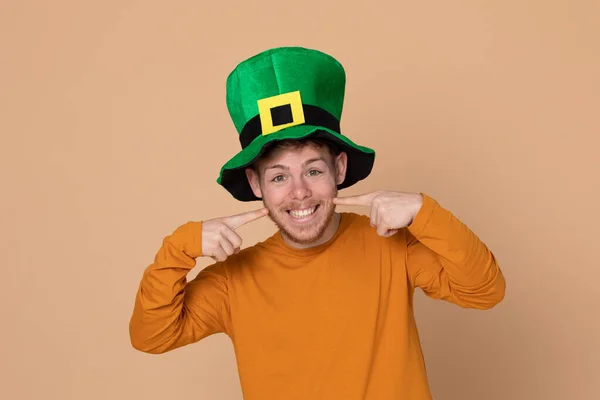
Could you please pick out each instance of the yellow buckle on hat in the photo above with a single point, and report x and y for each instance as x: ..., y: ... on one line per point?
x: 265, y: 106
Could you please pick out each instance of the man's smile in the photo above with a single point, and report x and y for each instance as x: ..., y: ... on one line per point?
x: 302, y: 214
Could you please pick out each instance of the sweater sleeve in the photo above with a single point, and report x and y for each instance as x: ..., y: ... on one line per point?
x: 170, y: 312
x: 449, y: 262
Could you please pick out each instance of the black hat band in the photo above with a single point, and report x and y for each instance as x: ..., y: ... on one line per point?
x: 282, y: 115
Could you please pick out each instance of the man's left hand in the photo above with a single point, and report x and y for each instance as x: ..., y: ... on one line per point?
x: 390, y: 211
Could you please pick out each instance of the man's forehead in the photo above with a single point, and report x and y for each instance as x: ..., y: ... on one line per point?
x: 295, y: 157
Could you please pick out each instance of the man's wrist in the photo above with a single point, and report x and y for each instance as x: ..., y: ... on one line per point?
x: 418, y: 199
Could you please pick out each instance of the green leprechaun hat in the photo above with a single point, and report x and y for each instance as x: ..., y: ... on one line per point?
x: 287, y: 93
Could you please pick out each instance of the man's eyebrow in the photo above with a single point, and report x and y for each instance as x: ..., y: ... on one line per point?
x: 312, y: 160
x: 274, y: 166
x: 285, y: 167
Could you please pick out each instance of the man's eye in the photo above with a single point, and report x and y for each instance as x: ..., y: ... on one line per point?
x: 314, y: 172
x: 278, y: 178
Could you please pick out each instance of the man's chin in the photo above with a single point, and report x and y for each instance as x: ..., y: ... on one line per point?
x: 303, y: 235
x: 303, y: 238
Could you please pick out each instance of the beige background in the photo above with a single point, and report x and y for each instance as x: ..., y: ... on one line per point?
x: 114, y: 127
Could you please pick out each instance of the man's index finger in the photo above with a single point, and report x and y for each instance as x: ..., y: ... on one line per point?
x: 235, y: 221
x: 358, y: 200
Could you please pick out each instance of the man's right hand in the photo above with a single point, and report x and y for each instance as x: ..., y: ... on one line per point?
x: 219, y: 239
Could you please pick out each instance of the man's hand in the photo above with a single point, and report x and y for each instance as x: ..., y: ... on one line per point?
x: 390, y: 211
x: 219, y: 239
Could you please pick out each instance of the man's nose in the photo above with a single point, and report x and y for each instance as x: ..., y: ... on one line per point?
x: 300, y: 189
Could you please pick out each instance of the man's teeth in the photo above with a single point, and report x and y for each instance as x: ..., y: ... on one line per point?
x: 302, y: 213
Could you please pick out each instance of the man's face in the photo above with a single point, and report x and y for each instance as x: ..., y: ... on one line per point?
x: 297, y: 185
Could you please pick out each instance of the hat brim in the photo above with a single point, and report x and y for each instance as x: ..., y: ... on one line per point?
x: 233, y: 175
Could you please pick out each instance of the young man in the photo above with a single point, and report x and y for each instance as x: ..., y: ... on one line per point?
x: 322, y: 309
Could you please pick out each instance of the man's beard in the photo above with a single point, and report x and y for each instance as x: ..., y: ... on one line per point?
x: 303, y: 235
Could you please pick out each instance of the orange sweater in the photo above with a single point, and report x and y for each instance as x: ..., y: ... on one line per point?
x: 331, y: 322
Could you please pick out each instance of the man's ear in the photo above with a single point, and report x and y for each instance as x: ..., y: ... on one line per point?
x: 341, y: 163
x: 253, y: 180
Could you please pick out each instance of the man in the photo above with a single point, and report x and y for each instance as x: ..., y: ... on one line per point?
x: 322, y: 309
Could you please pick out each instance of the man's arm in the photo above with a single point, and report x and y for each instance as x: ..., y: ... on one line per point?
x: 169, y: 312
x: 448, y: 261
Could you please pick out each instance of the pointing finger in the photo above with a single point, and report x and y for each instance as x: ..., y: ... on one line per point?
x: 235, y: 221
x: 359, y: 200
